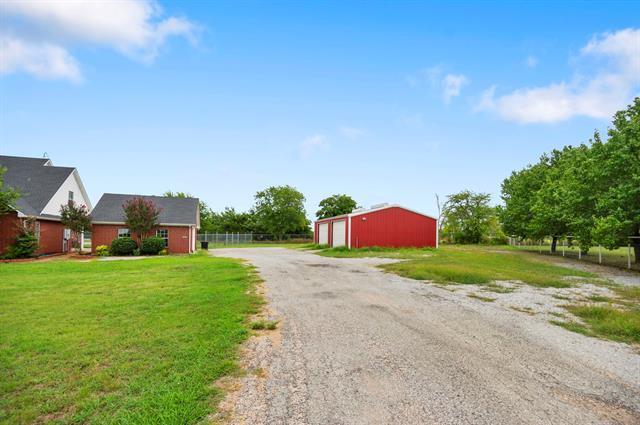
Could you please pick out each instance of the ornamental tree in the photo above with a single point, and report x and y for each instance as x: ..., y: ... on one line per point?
x: 141, y: 216
x: 77, y: 219
x: 336, y: 205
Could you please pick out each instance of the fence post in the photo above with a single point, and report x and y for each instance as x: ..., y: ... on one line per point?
x: 629, y: 257
x: 563, y: 242
x: 226, y: 237
x: 579, y: 253
x: 540, y: 247
x: 599, y: 254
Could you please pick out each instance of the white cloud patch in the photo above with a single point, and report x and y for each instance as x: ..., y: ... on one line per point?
x: 135, y: 28
x: 351, y: 133
x: 43, y: 60
x: 452, y: 85
x: 311, y: 145
x: 614, y: 84
x: 449, y: 84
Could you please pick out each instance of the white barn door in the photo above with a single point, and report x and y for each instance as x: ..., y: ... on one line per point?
x: 339, y: 235
x: 323, y: 233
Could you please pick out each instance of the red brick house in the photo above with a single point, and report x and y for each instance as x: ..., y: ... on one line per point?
x: 43, y: 188
x: 179, y: 221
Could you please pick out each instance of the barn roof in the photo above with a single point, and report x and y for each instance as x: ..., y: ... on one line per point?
x: 174, y: 211
x: 36, y: 180
x: 374, y: 209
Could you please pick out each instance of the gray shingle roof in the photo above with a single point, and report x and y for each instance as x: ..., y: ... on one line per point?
x: 174, y: 210
x: 36, y: 181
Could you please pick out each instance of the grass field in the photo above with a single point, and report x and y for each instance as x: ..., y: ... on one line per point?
x: 467, y: 265
x: 121, y: 341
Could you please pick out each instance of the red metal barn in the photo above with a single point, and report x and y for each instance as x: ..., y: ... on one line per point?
x: 383, y: 225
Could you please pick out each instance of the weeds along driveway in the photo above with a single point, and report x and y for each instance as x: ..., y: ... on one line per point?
x: 360, y: 346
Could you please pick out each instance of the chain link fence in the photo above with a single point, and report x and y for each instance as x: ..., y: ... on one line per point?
x: 623, y: 257
x: 236, y: 238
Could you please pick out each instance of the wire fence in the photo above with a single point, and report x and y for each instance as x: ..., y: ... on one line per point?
x: 236, y: 238
x: 623, y: 257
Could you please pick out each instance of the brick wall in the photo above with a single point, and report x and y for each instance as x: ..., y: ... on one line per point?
x: 51, y: 234
x: 8, y: 225
x: 103, y: 234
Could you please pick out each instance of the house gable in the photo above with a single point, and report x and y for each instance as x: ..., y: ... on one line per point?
x: 61, y: 197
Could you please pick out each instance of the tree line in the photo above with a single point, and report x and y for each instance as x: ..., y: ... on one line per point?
x: 277, y: 211
x: 589, y: 193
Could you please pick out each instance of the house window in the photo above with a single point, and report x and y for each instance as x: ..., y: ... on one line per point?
x: 124, y: 233
x: 71, y: 195
x: 36, y: 230
x: 164, y: 234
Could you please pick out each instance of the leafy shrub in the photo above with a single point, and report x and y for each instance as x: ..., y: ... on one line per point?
x: 164, y: 252
x: 102, y: 250
x: 152, y: 245
x: 136, y: 252
x: 123, y: 246
x: 24, y: 246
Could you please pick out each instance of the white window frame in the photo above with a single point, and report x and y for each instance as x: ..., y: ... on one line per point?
x: 124, y: 232
x: 36, y: 230
x: 166, y: 238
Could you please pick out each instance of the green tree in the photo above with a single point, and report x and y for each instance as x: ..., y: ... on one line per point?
x: 280, y: 210
x: 229, y: 220
x: 206, y: 214
x: 518, y: 195
x: 615, y: 172
x: 468, y: 216
x: 8, y: 195
x: 548, y: 214
x: 75, y: 217
x: 336, y: 205
x: 140, y: 216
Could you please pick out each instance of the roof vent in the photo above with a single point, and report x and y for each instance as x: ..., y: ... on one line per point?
x: 382, y: 205
x: 360, y: 209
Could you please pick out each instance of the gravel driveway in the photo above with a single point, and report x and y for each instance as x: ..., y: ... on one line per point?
x: 359, y: 346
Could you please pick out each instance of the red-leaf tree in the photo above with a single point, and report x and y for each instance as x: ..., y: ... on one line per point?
x: 75, y: 217
x: 141, y: 216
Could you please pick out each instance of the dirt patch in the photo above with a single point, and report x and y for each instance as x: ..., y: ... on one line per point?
x: 609, y: 412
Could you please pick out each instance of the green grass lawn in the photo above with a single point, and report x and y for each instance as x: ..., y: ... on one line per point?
x: 120, y: 341
x: 467, y: 265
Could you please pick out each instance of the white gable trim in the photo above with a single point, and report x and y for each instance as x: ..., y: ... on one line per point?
x: 73, y: 183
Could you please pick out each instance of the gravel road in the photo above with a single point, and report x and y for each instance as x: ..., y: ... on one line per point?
x: 359, y: 346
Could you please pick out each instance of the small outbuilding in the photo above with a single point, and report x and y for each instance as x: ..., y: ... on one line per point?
x: 383, y: 225
x: 179, y: 221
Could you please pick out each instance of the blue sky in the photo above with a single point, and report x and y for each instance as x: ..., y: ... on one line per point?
x: 385, y: 101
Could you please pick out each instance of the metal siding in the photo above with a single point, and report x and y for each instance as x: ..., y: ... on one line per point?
x: 393, y: 227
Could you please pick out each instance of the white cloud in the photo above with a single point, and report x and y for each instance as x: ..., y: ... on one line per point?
x: 351, y: 132
x: 600, y: 95
x: 452, y: 85
x: 134, y: 28
x: 531, y: 61
x: 312, y: 144
x: 42, y: 60
x: 449, y: 84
